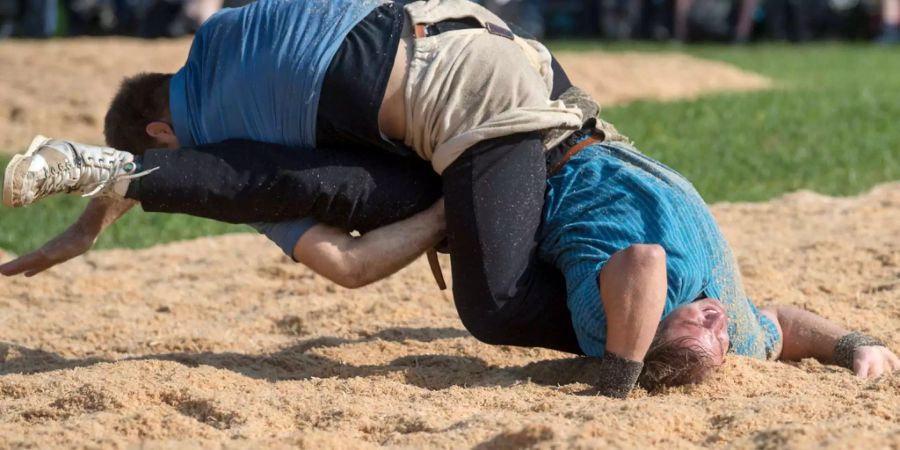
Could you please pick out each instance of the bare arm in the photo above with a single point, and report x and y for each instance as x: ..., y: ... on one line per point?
x: 808, y: 335
x: 99, y: 214
x: 633, y: 295
x: 354, y: 262
x: 804, y: 334
x: 633, y: 290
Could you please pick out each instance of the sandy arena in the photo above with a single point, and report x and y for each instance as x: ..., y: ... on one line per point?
x: 223, y: 343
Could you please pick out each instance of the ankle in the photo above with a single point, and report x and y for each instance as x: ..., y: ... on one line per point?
x: 127, y: 187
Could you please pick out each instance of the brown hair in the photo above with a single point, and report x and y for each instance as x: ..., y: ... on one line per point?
x: 141, y: 99
x: 675, y: 362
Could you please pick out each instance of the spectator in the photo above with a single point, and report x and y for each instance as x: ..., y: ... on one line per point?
x: 656, y: 19
x: 162, y: 18
x: 890, y: 22
x: 743, y: 30
x: 9, y: 11
x: 712, y: 18
x: 619, y: 18
x: 91, y: 17
x: 568, y: 18
x: 789, y: 19
x: 200, y: 10
x: 523, y: 15
x: 36, y: 18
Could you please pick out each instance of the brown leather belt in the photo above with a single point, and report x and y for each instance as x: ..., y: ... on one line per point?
x: 423, y: 30
x: 436, y: 271
x: 590, y: 139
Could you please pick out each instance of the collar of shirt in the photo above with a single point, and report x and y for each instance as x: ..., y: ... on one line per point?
x: 178, y: 106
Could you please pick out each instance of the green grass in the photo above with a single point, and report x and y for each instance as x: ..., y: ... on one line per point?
x: 23, y: 230
x: 830, y: 126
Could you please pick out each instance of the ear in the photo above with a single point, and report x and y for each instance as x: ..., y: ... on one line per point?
x: 160, y: 131
x: 163, y: 134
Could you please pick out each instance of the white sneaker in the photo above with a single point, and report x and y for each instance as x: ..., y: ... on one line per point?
x: 54, y: 166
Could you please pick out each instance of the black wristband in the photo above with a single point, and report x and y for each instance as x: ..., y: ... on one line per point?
x: 617, y: 375
x: 847, y: 345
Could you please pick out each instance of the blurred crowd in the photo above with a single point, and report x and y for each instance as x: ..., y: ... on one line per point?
x: 738, y: 21
x: 143, y: 18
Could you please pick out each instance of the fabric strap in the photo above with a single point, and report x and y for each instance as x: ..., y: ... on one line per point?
x: 618, y: 375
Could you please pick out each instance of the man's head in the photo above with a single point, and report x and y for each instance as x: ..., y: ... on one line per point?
x: 138, y: 117
x: 689, y: 345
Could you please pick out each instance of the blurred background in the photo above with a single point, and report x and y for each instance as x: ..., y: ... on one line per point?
x: 737, y: 21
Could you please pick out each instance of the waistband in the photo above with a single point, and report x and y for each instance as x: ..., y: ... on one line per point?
x: 559, y: 155
x: 423, y: 30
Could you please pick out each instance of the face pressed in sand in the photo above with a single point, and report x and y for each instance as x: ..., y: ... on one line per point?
x: 703, y: 324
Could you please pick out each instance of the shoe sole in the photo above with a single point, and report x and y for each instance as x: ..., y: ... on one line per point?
x: 14, y: 177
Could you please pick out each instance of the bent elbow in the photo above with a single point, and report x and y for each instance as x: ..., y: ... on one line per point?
x: 353, y: 276
x: 348, y: 283
x: 644, y: 255
x: 347, y: 279
x: 352, y: 282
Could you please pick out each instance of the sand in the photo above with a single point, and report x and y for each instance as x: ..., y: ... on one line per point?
x: 223, y: 343
x: 63, y: 87
x: 619, y: 78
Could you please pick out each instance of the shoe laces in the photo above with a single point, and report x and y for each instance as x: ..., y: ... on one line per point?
x: 90, y: 172
x: 107, y: 171
x: 103, y: 185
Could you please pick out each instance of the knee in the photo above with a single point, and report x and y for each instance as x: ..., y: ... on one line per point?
x: 488, y: 337
x: 484, y: 329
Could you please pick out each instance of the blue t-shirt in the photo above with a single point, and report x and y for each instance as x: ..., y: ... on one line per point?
x: 256, y: 73
x: 609, y: 197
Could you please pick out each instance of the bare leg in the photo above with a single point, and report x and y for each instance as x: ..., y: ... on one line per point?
x: 745, y: 21
x: 682, y: 10
x: 890, y: 12
x: 890, y: 22
x: 200, y: 10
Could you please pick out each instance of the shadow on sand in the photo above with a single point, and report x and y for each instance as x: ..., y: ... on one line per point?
x: 296, y: 362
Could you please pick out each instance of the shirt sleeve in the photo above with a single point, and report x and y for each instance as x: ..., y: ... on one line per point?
x: 771, y: 336
x: 752, y: 333
x: 285, y: 234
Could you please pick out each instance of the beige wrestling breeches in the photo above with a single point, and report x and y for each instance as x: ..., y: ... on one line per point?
x: 467, y: 86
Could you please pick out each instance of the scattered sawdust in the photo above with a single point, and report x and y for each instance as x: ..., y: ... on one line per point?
x: 616, y: 78
x: 222, y: 343
x: 63, y: 87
